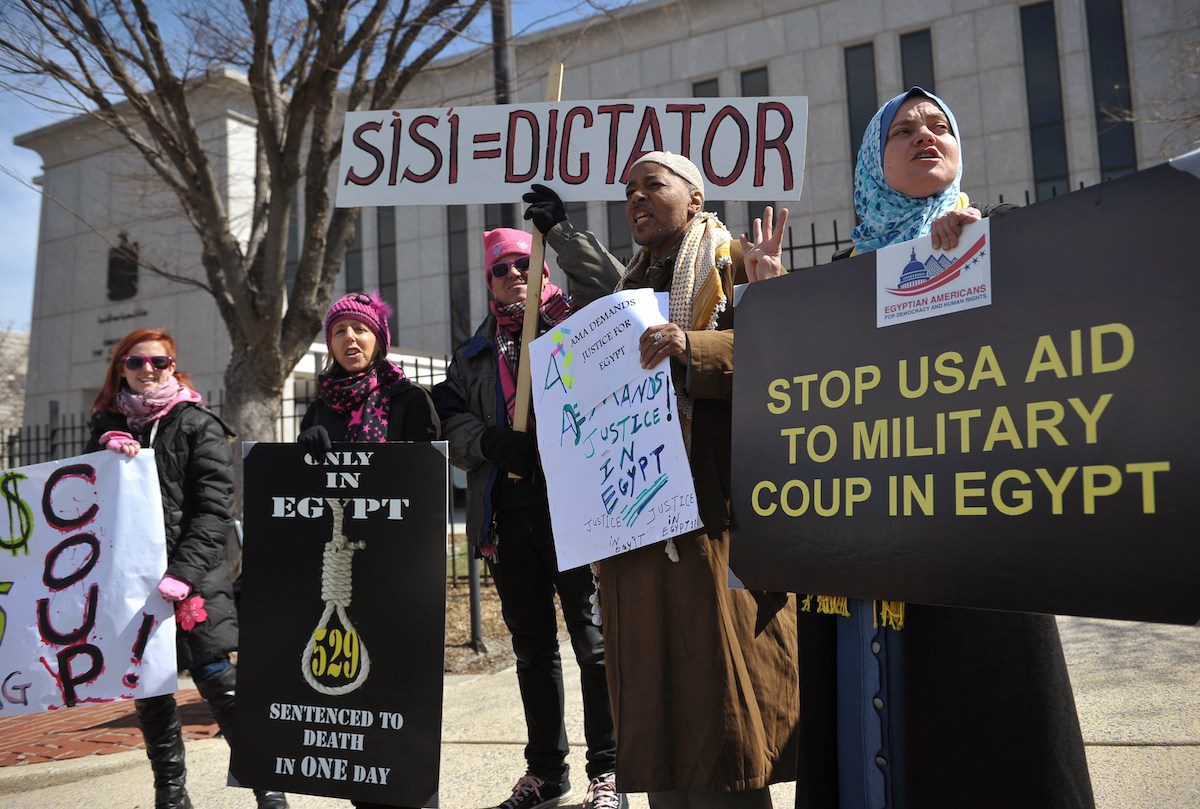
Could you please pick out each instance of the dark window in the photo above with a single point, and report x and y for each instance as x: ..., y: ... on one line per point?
x: 577, y: 213
x: 460, y: 274
x: 706, y: 89
x: 916, y: 59
x: 1110, y: 87
x: 620, y: 240
x: 1043, y: 92
x: 754, y: 83
x: 385, y: 227
x: 860, y: 92
x: 291, y: 264
x: 494, y: 216
x: 353, y: 264
x: 122, y: 269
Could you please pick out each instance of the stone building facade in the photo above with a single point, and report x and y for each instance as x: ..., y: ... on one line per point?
x: 1029, y: 82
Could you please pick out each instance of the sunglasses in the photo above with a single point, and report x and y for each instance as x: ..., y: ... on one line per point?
x: 499, y: 270
x: 136, y: 362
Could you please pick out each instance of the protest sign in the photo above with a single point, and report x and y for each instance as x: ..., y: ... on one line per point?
x: 600, y: 353
x: 745, y: 148
x: 81, y: 618
x: 342, y: 621
x: 1038, y: 453
x: 617, y: 474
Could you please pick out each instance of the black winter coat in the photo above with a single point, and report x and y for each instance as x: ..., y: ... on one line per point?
x: 990, y: 722
x: 195, y: 477
x: 411, y: 417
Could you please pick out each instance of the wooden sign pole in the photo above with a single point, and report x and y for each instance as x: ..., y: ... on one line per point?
x: 533, y: 293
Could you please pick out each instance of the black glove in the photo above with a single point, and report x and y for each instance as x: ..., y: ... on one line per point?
x: 545, y: 208
x: 510, y: 450
x: 315, y: 441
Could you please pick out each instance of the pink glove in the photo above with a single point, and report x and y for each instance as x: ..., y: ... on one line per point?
x: 173, y: 589
x: 121, y: 442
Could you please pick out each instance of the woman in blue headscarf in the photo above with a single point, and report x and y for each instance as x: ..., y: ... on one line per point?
x: 912, y: 706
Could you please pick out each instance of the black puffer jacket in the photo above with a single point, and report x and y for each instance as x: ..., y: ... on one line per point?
x: 195, y: 477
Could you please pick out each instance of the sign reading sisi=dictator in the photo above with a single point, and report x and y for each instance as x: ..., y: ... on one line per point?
x: 1020, y: 440
x: 745, y: 148
x: 342, y: 621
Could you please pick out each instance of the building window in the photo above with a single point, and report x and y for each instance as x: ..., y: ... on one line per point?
x: 460, y: 274
x: 1110, y: 87
x: 577, y: 213
x: 385, y: 232
x: 861, y: 99
x: 1043, y: 93
x: 916, y: 60
x: 493, y: 215
x: 709, y: 88
x: 123, y: 269
x: 353, y: 266
x: 620, y: 240
x: 754, y: 83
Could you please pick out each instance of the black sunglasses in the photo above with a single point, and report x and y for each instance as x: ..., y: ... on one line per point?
x: 136, y: 362
x: 500, y: 269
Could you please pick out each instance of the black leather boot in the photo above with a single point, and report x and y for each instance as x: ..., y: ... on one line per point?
x: 162, y: 731
x: 220, y: 692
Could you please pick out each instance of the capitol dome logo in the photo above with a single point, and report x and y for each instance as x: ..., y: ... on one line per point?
x: 921, y: 277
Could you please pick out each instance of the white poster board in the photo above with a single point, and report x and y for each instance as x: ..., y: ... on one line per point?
x: 746, y: 149
x: 81, y: 555
x: 617, y: 474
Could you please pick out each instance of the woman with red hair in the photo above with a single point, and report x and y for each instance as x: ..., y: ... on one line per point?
x: 147, y: 402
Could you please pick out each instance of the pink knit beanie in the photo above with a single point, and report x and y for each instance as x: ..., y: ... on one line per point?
x: 365, y: 306
x: 506, y: 242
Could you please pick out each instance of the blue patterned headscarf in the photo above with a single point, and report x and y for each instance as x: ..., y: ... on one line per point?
x: 885, y: 215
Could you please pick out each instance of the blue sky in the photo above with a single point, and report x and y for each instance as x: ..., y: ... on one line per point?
x: 20, y: 205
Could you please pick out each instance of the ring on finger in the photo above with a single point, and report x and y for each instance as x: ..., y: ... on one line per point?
x: 657, y: 336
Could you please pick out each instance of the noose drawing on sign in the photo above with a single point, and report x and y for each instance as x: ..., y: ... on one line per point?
x: 335, y: 661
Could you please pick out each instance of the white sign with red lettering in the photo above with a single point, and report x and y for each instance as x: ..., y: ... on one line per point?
x: 81, y: 555
x: 745, y: 148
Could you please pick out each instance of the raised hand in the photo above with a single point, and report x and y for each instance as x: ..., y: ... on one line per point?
x: 763, y: 258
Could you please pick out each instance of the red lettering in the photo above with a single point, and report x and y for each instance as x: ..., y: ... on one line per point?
x: 565, y: 151
x: 686, y: 111
x: 535, y: 130
x: 453, y: 149
x: 649, y: 127
x: 551, y: 139
x: 614, y: 113
x: 428, y: 145
x: 743, y: 146
x: 397, y: 135
x: 778, y: 143
x: 361, y: 143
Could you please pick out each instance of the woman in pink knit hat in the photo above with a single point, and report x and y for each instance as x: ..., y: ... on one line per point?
x: 362, y: 395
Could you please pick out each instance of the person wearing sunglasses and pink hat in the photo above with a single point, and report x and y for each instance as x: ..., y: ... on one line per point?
x: 146, y: 401
x: 508, y: 522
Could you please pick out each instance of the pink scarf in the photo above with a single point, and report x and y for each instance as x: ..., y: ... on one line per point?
x: 554, y: 308
x: 140, y: 409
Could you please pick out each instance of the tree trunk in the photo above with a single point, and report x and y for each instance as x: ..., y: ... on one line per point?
x: 251, y: 407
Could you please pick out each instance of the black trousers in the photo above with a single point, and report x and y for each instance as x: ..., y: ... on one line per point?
x: 526, y: 574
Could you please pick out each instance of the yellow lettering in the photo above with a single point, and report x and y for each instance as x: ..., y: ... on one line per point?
x: 914, y: 393
x: 792, y: 433
x: 1036, y: 423
x: 1022, y: 498
x: 986, y: 367
x: 1092, y: 489
x: 1090, y: 417
x: 866, y: 377
x: 1147, y: 470
x: 1057, y: 487
x: 777, y: 390
x: 1002, y: 428
x: 858, y: 490
x: 1045, y: 358
x: 869, y: 445
x: 786, y: 502
x: 962, y: 492
x: 1101, y: 365
x: 945, y: 365
x: 759, y: 509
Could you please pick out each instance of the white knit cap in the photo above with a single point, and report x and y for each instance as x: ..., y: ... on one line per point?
x: 678, y: 165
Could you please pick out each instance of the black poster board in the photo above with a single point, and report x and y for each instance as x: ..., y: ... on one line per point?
x: 1067, y: 269
x: 372, y: 730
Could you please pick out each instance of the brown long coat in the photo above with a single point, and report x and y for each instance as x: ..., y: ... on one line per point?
x: 700, y: 700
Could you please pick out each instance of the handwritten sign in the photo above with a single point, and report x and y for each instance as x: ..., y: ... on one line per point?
x: 342, y: 621
x: 746, y: 148
x: 81, y: 554
x: 601, y: 354
x: 617, y: 474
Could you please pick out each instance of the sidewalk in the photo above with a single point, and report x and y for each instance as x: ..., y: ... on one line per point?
x: 1137, y: 688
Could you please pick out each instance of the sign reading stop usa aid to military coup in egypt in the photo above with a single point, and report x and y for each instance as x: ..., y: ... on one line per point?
x: 1038, y: 453
x: 746, y: 148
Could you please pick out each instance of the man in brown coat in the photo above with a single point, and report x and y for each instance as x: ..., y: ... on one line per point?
x: 702, y: 677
